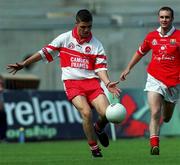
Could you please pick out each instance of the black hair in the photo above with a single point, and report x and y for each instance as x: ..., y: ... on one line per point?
x: 84, y: 15
x: 167, y: 9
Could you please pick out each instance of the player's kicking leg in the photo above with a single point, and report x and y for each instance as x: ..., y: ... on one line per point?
x: 101, y: 103
x: 101, y: 134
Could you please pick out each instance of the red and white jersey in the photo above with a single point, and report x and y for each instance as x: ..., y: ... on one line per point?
x: 165, y: 61
x: 77, y: 60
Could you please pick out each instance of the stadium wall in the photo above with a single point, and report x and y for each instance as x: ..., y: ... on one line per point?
x: 26, y: 26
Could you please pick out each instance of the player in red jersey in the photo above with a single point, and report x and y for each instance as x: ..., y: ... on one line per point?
x: 84, y: 65
x: 163, y: 80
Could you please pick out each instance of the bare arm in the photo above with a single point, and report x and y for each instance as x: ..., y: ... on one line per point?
x: 135, y: 59
x: 13, y: 68
x: 111, y: 86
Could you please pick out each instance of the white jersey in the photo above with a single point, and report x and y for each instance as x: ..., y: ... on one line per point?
x: 78, y: 61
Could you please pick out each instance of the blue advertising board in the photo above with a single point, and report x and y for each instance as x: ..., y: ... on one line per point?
x: 48, y: 115
x: 42, y: 114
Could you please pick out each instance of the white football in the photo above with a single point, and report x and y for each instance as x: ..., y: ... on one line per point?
x: 116, y: 113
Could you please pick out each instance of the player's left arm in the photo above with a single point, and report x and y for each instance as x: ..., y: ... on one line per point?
x: 110, y: 85
x: 101, y: 71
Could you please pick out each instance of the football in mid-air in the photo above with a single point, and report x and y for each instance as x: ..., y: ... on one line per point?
x: 116, y: 113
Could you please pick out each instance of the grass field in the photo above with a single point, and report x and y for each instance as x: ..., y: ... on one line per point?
x: 120, y: 152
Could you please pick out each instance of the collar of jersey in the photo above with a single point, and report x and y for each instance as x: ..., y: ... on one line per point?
x: 168, y: 34
x: 78, y: 38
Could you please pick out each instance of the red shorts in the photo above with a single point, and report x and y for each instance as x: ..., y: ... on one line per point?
x: 90, y: 88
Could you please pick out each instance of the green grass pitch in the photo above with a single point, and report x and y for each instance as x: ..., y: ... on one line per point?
x: 120, y: 152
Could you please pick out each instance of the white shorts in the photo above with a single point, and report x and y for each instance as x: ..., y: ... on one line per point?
x: 170, y: 94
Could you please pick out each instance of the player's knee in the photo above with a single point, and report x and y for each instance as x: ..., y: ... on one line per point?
x: 86, y: 114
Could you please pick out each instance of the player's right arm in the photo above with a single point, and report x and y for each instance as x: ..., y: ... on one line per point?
x: 13, y: 68
x: 142, y: 51
x: 135, y: 59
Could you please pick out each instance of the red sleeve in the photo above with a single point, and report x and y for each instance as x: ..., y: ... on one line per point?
x: 144, y: 46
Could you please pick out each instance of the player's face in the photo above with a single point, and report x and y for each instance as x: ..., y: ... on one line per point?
x: 165, y: 19
x: 84, y: 29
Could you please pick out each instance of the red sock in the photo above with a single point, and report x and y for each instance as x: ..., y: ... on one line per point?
x: 154, y: 140
x: 93, y: 145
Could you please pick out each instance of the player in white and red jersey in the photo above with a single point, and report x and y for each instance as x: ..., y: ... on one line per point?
x: 84, y: 65
x: 163, y: 80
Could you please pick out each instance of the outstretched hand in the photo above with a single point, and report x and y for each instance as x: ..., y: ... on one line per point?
x: 124, y: 74
x: 13, y: 68
x: 111, y: 86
